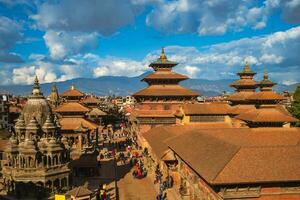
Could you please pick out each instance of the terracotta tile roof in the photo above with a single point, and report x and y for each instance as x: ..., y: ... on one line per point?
x: 241, y: 108
x: 90, y: 100
x: 266, y: 114
x: 266, y: 95
x: 214, y: 151
x: 97, y: 112
x: 166, y: 90
x: 157, y: 136
x: 73, y: 123
x: 263, y: 164
x: 72, y: 93
x: 152, y: 113
x: 165, y: 74
x: 244, y: 82
x: 79, y: 192
x: 206, y: 108
x: 71, y: 107
x: 240, y: 96
x: 241, y: 155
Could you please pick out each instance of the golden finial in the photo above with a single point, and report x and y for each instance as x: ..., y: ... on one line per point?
x: 163, y: 56
x: 72, y: 87
x: 266, y: 75
x: 246, y: 67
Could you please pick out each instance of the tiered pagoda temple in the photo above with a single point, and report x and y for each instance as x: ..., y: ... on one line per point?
x: 245, y: 86
x: 269, y: 112
x: 72, y: 94
x: 157, y: 103
x: 164, y: 91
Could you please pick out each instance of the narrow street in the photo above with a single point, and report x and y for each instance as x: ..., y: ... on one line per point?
x: 129, y: 187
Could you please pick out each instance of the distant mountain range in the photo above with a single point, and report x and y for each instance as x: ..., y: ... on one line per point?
x: 121, y: 86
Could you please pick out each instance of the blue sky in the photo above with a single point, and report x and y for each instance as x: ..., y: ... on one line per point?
x: 212, y: 39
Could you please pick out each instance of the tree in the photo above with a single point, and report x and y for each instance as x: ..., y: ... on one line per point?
x: 295, y: 106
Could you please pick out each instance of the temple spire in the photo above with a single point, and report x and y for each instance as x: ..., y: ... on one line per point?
x: 246, y: 67
x: 36, y: 89
x: 72, y: 87
x: 266, y: 76
x: 163, y: 56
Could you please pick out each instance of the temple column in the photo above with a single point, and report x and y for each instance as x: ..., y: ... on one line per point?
x: 67, y: 182
x: 43, y: 161
x: 80, y: 141
x: 59, y: 183
x: 52, y: 185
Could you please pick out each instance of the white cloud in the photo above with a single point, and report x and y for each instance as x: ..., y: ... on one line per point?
x: 209, y: 17
x: 23, y: 75
x: 61, y: 44
x: 271, y: 59
x: 191, y: 71
x: 119, y: 67
x: 277, y: 52
x: 104, y: 17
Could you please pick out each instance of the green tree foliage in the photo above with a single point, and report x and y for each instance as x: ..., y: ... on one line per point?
x: 295, y: 107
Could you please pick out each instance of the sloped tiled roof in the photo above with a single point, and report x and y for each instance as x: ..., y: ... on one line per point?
x: 166, y: 90
x: 90, y: 99
x: 80, y: 192
x: 244, y: 82
x: 73, y: 123
x: 165, y: 74
x: 240, y: 96
x: 71, y: 107
x: 266, y: 114
x: 97, y: 112
x: 241, y: 155
x: 241, y: 108
x: 266, y: 95
x: 157, y: 136
x: 72, y: 93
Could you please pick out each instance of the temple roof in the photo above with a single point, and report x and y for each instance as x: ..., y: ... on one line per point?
x: 90, y: 100
x: 71, y: 107
x: 73, y: 92
x: 162, y: 61
x: 266, y: 82
x: 73, y: 123
x: 246, y: 71
x: 266, y: 114
x: 206, y: 108
x: 165, y: 74
x: 266, y: 95
x: 241, y: 108
x: 240, y: 96
x: 243, y: 83
x: 165, y: 90
x: 80, y: 192
x: 158, y: 136
x: 241, y: 155
x: 97, y: 112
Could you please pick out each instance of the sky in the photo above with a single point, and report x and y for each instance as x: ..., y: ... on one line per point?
x: 60, y: 40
